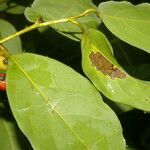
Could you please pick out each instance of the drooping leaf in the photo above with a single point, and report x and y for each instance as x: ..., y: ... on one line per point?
x: 8, y: 136
x: 57, y: 108
x: 6, y: 29
x: 128, y: 22
x: 59, y: 9
x: 107, y: 75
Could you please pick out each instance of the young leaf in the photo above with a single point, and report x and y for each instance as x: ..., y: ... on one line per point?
x: 59, y: 9
x: 106, y: 74
x: 6, y: 29
x: 56, y: 108
x: 128, y: 22
x: 8, y: 136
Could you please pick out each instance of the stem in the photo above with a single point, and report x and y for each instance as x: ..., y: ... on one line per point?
x: 87, y: 12
x: 38, y: 24
x: 32, y: 27
x: 79, y: 25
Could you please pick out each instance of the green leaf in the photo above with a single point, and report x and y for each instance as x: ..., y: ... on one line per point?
x: 8, y: 136
x: 128, y: 22
x: 57, y: 108
x: 12, y: 8
x: 59, y: 9
x: 6, y: 29
x: 106, y: 74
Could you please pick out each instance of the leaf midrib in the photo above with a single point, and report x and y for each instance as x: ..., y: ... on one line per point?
x: 47, y: 101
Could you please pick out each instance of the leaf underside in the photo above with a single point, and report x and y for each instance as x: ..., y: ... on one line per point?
x: 59, y: 9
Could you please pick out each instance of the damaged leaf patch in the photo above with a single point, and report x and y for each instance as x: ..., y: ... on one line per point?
x: 106, y: 67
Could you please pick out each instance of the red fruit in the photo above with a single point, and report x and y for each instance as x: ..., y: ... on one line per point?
x: 2, y: 85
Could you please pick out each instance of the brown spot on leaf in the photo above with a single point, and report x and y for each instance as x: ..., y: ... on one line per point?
x: 105, y: 66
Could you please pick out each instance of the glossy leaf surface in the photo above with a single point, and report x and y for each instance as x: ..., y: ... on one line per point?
x: 59, y: 9
x: 57, y: 108
x: 107, y: 75
x: 128, y: 22
x: 6, y: 29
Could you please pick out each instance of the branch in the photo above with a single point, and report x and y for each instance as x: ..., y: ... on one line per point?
x: 38, y: 24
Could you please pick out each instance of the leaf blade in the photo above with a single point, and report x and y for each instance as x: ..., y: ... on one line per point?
x: 14, y: 45
x: 65, y: 100
x: 54, y: 10
x: 8, y: 135
x: 128, y: 22
x: 117, y: 85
